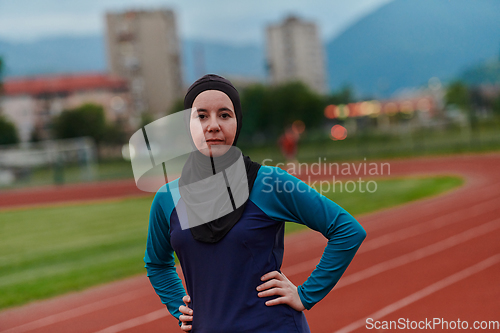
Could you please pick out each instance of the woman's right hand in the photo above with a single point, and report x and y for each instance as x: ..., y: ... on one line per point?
x: 187, y: 314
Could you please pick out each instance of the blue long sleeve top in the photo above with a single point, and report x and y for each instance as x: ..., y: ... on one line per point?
x: 221, y: 278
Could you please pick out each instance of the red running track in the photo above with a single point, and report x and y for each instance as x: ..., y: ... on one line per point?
x: 434, y: 259
x: 93, y: 191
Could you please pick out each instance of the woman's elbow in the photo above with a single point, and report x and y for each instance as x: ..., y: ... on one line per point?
x: 360, y: 234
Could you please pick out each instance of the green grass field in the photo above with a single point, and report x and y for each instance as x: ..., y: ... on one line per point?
x: 53, y: 250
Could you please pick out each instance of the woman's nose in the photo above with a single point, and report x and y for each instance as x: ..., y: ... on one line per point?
x: 213, y: 125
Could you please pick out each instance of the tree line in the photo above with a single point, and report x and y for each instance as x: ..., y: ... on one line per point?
x: 8, y: 131
x: 267, y: 111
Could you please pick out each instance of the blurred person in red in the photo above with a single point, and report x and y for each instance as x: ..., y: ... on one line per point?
x: 288, y: 142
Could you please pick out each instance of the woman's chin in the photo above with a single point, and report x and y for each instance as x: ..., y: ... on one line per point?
x: 218, y: 149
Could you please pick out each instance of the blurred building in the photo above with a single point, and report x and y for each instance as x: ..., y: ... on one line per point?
x: 31, y: 103
x: 295, y: 52
x: 143, y: 47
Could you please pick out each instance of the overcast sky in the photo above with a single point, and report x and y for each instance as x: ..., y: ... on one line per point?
x: 233, y: 21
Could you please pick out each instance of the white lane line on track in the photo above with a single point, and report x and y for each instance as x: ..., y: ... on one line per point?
x: 364, y: 274
x: 426, y: 226
x: 76, y: 312
x: 449, y: 242
x: 295, y: 269
x: 403, y: 259
x: 415, y: 229
x: 493, y: 260
x: 485, y: 193
x: 137, y: 321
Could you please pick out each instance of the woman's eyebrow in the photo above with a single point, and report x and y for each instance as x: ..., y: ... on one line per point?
x: 201, y: 110
x: 221, y: 109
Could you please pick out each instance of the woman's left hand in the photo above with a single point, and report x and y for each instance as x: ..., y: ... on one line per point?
x: 278, y: 284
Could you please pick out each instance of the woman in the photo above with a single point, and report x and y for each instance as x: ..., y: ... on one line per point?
x: 232, y: 263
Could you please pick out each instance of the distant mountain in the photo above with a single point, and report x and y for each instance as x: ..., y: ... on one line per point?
x: 54, y: 55
x: 406, y: 42
x: 84, y: 54
x: 402, y: 44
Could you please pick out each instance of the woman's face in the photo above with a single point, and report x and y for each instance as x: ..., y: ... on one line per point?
x: 213, y: 123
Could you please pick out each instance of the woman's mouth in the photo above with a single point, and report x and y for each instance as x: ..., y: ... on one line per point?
x: 215, y: 141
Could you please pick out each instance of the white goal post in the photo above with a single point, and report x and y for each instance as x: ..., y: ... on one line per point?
x: 77, y: 152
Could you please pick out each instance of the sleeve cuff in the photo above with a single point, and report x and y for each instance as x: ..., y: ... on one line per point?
x: 306, y: 304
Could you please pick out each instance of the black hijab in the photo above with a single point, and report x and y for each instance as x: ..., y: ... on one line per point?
x: 199, y: 167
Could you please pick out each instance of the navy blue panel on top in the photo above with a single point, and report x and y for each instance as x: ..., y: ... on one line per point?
x: 222, y: 278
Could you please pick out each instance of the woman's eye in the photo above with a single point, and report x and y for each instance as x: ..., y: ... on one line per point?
x: 201, y: 116
x: 225, y: 115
